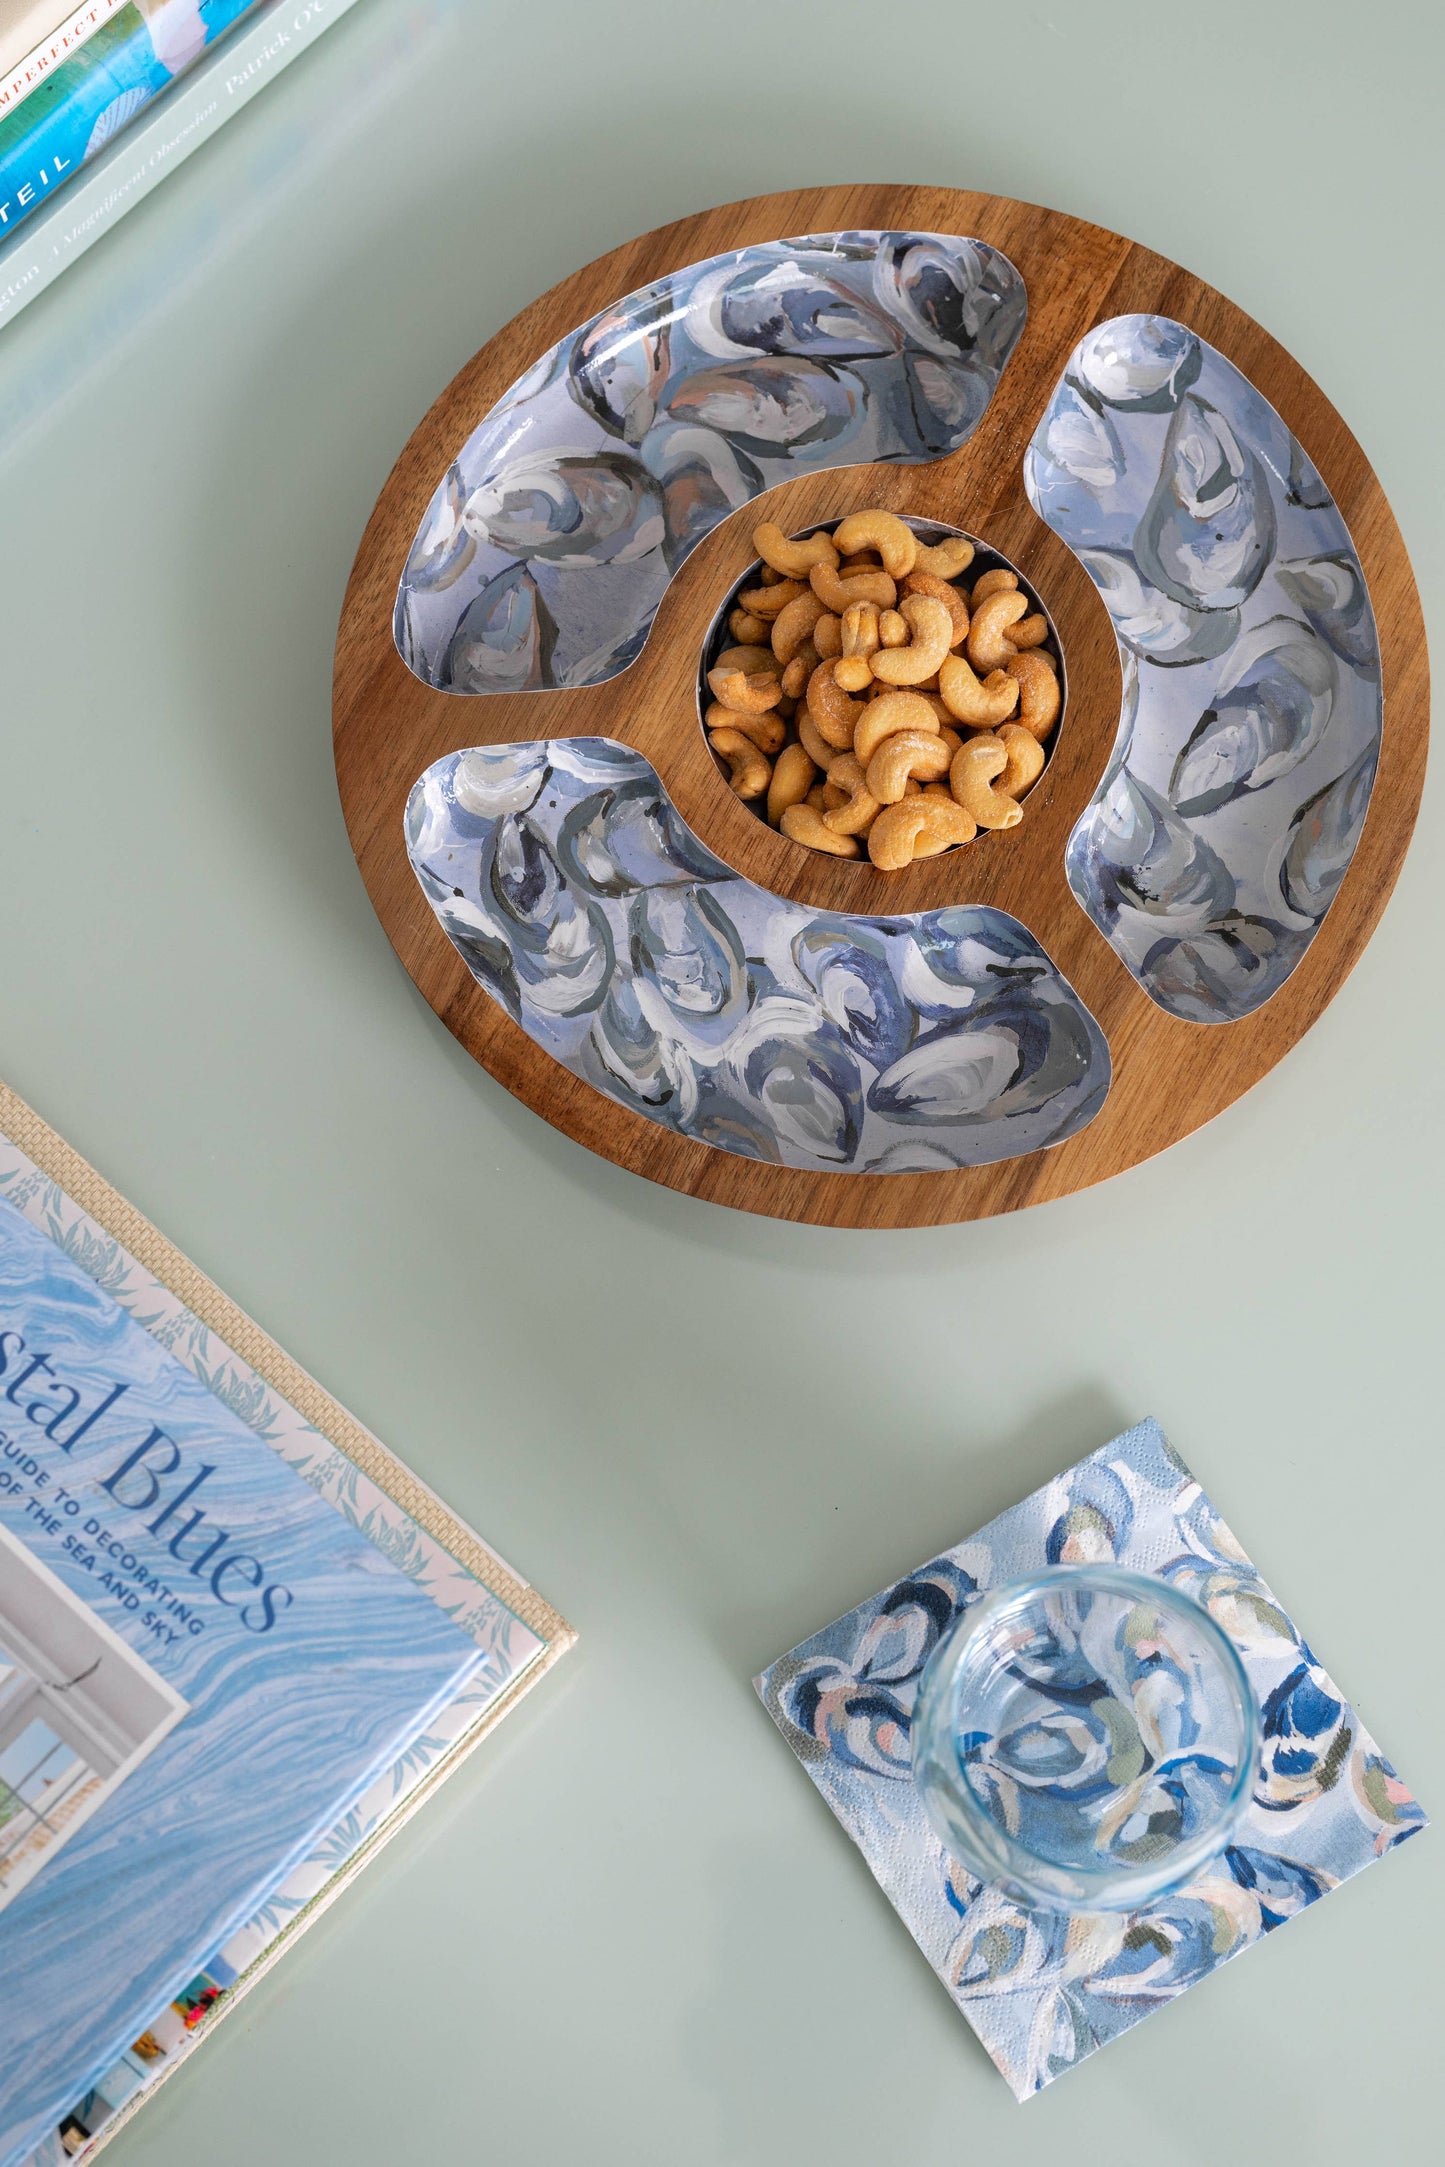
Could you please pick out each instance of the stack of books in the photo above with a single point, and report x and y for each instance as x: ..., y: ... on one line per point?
x: 240, y: 1644
x: 100, y: 101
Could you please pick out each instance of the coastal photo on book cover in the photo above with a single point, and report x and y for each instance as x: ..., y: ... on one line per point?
x: 202, y: 1665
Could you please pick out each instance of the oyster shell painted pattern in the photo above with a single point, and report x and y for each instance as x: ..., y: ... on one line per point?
x: 1216, y: 841
x: 1044, y: 1989
x: 578, y: 898
x: 550, y: 541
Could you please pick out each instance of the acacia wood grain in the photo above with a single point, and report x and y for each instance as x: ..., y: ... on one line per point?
x: 1169, y: 1076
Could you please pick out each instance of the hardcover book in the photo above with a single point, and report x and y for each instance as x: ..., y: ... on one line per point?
x: 37, y: 35
x: 138, y: 144
x: 61, y: 114
x: 237, y: 1643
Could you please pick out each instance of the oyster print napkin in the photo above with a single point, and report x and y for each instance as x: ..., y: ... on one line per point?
x: 1044, y: 1989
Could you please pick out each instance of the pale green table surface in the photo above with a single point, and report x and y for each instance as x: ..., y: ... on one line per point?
x: 629, y: 1932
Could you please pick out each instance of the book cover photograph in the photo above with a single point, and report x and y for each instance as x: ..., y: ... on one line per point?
x: 112, y: 99
x: 74, y: 94
x: 229, y: 1661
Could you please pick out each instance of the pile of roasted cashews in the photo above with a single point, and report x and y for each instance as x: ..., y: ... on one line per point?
x: 868, y: 697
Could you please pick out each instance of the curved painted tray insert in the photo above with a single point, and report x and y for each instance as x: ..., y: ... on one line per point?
x: 1250, y: 728
x: 550, y: 541
x: 580, y: 900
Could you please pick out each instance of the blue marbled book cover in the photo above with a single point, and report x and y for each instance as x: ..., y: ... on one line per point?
x: 201, y: 1665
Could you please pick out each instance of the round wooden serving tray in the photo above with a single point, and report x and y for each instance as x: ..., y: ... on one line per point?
x: 1169, y: 1076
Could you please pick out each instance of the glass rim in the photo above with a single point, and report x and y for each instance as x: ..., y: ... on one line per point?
x: 1000, y: 1856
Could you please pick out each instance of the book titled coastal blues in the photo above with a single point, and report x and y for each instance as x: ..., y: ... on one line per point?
x: 203, y: 1666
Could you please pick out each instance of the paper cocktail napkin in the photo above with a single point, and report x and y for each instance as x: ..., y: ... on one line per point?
x: 1042, y: 1989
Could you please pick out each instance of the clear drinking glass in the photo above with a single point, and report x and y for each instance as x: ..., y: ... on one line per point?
x: 1086, y: 1737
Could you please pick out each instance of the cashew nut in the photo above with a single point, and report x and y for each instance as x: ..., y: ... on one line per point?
x: 895, y: 543
x: 932, y: 629
x: 834, y: 714
x: 794, y: 559
x: 1030, y: 631
x: 751, y: 773
x: 769, y: 601
x: 794, y: 624
x: 945, y: 719
x: 987, y: 583
x: 859, y: 809
x: 814, y: 744
x: 793, y: 776
x: 892, y: 629
x: 862, y: 560
x: 907, y: 756
x: 745, y: 695
x: 767, y: 731
x: 986, y: 646
x: 894, y: 833
x: 858, y: 629
x: 884, y: 717
x: 803, y: 824
x: 749, y: 658
x: 945, y: 824
x: 817, y: 797
x: 945, y: 559
x: 1025, y: 760
x: 858, y: 633
x: 942, y: 591
x: 795, y: 676
x: 1039, y: 695
x: 917, y: 828
x: 837, y: 593
x: 828, y: 636
x: 744, y: 626
x: 980, y: 705
x: 970, y: 778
